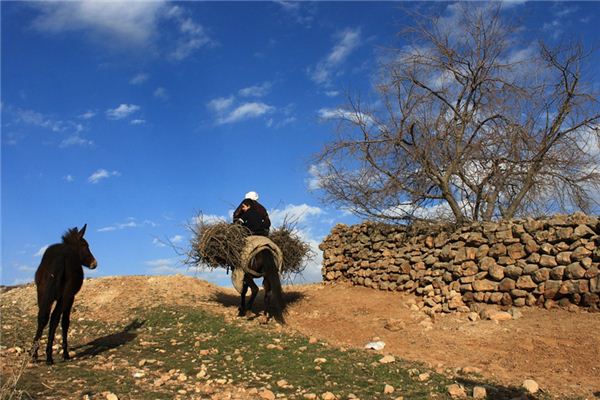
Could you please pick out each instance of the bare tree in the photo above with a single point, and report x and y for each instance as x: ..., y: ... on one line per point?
x: 466, y: 124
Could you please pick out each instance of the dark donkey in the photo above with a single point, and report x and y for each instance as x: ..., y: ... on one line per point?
x: 58, y: 279
x: 264, y: 264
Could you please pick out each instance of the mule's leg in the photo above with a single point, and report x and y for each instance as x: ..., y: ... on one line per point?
x: 242, y: 309
x: 66, y: 320
x: 44, y: 307
x: 54, y: 318
x: 267, y: 289
x: 253, y: 289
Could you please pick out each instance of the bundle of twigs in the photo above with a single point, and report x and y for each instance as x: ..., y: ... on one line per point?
x: 219, y: 244
x: 296, y: 253
x: 216, y: 244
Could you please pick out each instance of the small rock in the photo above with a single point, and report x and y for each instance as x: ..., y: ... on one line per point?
x: 473, y: 316
x: 479, y: 392
x: 388, y: 389
x: 310, y: 396
x: 456, y: 391
x: 111, y: 396
x: 471, y: 370
x: 531, y: 386
x: 387, y: 359
x: 139, y: 374
x: 424, y: 377
x: 312, y: 340
x: 282, y: 383
x: 328, y: 396
x: 501, y: 316
x: 394, y: 325
x: 320, y: 360
x: 376, y: 345
x: 267, y: 395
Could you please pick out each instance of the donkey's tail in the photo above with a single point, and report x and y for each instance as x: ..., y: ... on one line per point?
x: 276, y: 297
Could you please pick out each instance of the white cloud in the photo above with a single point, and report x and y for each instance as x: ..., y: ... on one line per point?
x: 221, y: 104
x: 256, y: 90
x: 128, y: 224
x: 88, y: 115
x: 75, y: 140
x: 176, y: 239
x: 122, y: 111
x: 193, y: 35
x: 339, y: 113
x: 128, y: 23
x: 26, y: 268
x: 246, y: 111
x: 332, y: 93
x: 69, y: 178
x: 139, y: 79
x: 348, y: 40
x: 161, y: 93
x: 138, y: 122
x: 164, y: 266
x: 315, y: 180
x: 41, y: 251
x: 102, y: 174
x: 294, y: 213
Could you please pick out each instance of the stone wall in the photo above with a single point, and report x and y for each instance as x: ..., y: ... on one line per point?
x: 545, y: 262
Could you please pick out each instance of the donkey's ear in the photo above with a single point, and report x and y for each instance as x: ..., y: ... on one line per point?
x: 82, y: 231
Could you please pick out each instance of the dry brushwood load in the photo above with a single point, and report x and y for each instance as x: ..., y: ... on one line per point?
x: 220, y: 244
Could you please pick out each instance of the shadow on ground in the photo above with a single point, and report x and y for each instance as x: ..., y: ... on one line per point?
x: 233, y: 300
x: 496, y: 392
x: 108, y: 342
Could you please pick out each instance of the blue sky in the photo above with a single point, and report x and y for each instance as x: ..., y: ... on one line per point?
x: 132, y: 117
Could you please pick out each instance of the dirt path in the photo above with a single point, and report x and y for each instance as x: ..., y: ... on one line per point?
x: 558, y: 349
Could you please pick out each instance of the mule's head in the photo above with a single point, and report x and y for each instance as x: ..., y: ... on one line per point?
x: 75, y: 238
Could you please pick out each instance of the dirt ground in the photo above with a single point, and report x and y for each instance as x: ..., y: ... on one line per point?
x: 559, y: 349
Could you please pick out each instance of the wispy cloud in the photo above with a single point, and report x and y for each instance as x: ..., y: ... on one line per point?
x: 221, y: 104
x: 192, y: 37
x: 128, y: 224
x: 256, y: 90
x: 245, y: 111
x: 69, y: 178
x: 164, y: 266
x: 129, y: 23
x: 138, y: 79
x: 138, y: 122
x: 88, y: 115
x: 297, y: 213
x: 75, y: 140
x: 347, y: 41
x: 41, y: 251
x: 161, y: 93
x: 122, y: 111
x: 102, y: 174
x: 302, y: 13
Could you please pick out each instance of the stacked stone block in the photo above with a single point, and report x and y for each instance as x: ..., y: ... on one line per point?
x: 543, y: 262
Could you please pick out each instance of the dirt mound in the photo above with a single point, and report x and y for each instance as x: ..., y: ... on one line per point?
x: 557, y: 348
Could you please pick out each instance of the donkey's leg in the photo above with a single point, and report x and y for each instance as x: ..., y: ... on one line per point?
x: 253, y: 289
x: 44, y: 307
x: 66, y: 320
x: 267, y: 289
x: 242, y: 309
x: 54, y: 318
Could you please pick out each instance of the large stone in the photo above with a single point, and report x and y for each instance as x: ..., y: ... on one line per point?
x: 548, y: 261
x: 557, y: 273
x: 516, y: 251
x: 583, y: 231
x: 541, y: 275
x: 497, y: 250
x: 486, y: 262
x: 525, y: 282
x: 507, y: 285
x: 574, y: 271
x: 496, y: 272
x: 513, y: 271
x: 564, y: 258
x: 580, y: 253
x: 484, y: 286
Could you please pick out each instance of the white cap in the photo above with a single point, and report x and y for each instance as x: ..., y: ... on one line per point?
x: 252, y: 196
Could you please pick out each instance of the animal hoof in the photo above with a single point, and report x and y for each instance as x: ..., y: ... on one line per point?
x: 50, y: 362
x: 66, y: 356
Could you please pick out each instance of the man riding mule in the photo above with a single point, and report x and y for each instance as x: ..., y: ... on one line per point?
x: 260, y: 258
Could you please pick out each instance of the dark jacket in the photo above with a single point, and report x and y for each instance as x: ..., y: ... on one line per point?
x: 256, y: 218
